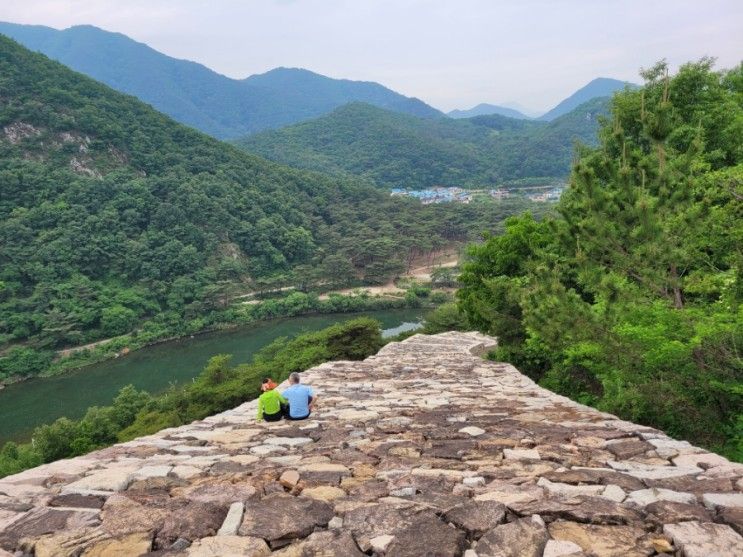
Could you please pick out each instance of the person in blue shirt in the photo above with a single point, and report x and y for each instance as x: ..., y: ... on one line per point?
x: 301, y: 399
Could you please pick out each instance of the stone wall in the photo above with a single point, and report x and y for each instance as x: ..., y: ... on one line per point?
x: 423, y: 449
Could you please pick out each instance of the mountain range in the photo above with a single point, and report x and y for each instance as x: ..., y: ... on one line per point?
x: 229, y: 108
x: 599, y: 87
x: 199, y: 97
x: 485, y: 109
x: 399, y: 150
x: 114, y: 217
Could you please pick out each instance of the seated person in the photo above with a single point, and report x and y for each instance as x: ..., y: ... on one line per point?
x: 301, y: 399
x: 270, y: 403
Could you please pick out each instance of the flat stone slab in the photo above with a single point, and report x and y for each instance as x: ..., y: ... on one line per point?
x: 704, y: 539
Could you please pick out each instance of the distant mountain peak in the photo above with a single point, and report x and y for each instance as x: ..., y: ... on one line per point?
x: 598, y: 87
x: 485, y: 109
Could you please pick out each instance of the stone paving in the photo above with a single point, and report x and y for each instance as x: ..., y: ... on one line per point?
x: 422, y: 450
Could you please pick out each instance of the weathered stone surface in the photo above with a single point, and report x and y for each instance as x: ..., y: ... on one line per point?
x: 324, y: 493
x: 66, y: 542
x: 190, y: 520
x: 477, y: 517
x: 77, y: 501
x: 723, y: 500
x: 284, y: 517
x: 411, y: 451
x: 228, y: 546
x: 131, y: 545
x: 603, y: 541
x: 733, y: 518
x: 220, y: 493
x: 323, y: 544
x: 123, y: 515
x: 370, y: 521
x: 704, y: 539
x: 556, y: 548
x: 593, y: 510
x: 427, y: 535
x: 526, y: 537
x: 666, y: 512
x: 43, y: 521
x: 655, y: 494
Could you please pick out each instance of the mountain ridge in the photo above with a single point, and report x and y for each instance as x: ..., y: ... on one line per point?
x: 485, y: 109
x: 596, y: 88
x: 397, y: 150
x: 198, y: 96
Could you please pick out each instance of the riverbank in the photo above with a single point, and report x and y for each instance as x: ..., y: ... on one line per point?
x: 238, y: 315
x: 156, y: 369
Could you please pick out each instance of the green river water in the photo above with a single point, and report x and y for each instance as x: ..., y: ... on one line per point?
x: 25, y: 405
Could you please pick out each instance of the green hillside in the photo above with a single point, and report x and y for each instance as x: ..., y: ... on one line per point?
x: 631, y: 299
x: 115, y: 218
x: 397, y: 150
x: 197, y: 96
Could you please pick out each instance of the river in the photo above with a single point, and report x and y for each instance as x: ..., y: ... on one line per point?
x: 23, y: 406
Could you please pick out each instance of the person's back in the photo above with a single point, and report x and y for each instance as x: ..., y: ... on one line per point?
x: 300, y: 398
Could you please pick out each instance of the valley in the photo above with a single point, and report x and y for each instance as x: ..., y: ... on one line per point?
x: 26, y: 405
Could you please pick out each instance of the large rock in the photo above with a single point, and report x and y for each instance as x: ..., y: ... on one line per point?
x: 477, y: 517
x: 330, y: 543
x: 132, y: 545
x: 123, y: 515
x: 666, y: 512
x: 41, y: 522
x: 370, y: 521
x: 603, y: 541
x: 68, y: 542
x: 427, y: 535
x: 284, y: 517
x: 190, y: 520
x: 526, y: 537
x: 228, y: 546
x: 217, y: 492
x: 594, y: 510
x: 704, y: 539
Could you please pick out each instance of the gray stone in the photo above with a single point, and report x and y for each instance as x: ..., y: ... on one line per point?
x: 722, y: 500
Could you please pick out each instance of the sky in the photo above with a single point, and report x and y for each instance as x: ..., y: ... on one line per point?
x: 449, y: 53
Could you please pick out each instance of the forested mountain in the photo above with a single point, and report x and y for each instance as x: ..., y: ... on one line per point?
x: 197, y: 96
x: 114, y: 217
x: 632, y: 300
x: 396, y: 150
x: 599, y: 87
x: 484, y: 109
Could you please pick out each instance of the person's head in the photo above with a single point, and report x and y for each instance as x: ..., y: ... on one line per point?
x: 267, y: 384
x: 294, y: 378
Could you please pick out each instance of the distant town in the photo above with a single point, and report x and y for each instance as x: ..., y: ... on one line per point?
x: 450, y: 194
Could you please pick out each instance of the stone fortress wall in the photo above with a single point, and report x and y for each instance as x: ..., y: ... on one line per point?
x: 422, y: 449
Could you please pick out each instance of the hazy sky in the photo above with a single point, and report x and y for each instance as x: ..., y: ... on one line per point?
x: 450, y: 53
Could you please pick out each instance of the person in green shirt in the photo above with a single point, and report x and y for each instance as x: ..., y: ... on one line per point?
x: 270, y: 402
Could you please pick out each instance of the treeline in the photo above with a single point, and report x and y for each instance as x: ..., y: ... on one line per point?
x: 630, y: 300
x: 221, y: 386
x: 397, y: 150
x: 115, y: 219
